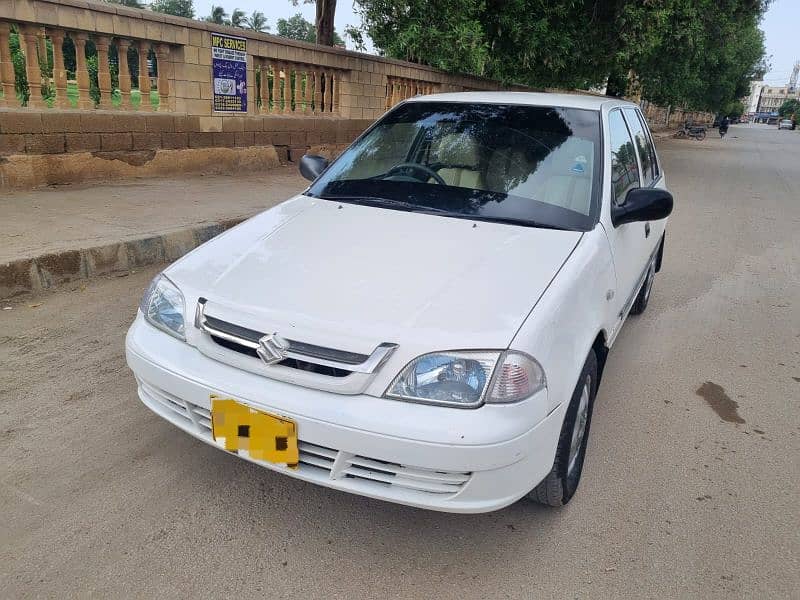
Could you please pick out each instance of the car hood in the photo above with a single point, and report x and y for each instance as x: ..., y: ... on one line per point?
x: 351, y: 277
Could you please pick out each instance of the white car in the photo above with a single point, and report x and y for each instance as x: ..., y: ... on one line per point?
x: 785, y: 124
x: 428, y: 322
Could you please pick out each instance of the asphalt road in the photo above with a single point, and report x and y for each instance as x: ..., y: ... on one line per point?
x: 684, y: 494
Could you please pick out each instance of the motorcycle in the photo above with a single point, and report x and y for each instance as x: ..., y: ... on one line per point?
x: 697, y: 132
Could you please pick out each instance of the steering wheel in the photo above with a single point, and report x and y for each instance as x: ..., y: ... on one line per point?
x: 417, y: 167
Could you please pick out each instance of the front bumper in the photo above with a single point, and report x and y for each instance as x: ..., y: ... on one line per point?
x: 381, y: 458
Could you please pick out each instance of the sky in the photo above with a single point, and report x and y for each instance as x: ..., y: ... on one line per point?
x: 780, y: 25
x: 783, y: 42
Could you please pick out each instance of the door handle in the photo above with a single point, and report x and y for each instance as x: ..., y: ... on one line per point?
x: 647, y: 230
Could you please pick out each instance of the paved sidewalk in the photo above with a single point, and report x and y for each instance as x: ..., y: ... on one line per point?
x: 71, y: 217
x: 63, y: 233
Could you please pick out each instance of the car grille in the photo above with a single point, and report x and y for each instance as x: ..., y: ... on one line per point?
x: 325, y: 462
x: 330, y: 362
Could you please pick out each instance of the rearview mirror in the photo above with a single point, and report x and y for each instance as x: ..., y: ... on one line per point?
x: 312, y: 166
x: 642, y: 204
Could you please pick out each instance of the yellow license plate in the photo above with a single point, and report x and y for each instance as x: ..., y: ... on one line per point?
x: 261, y: 435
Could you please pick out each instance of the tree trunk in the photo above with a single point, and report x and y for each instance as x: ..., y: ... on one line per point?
x: 325, y: 12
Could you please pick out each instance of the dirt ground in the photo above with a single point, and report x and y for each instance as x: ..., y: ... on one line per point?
x: 690, y: 486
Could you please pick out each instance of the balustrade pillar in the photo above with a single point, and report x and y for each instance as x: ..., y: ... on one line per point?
x: 6, y: 68
x: 144, y: 76
x: 317, y: 92
x: 59, y: 72
x: 162, y: 53
x: 81, y: 73
x: 298, y: 91
x: 276, y: 88
x: 334, y: 93
x: 124, y: 74
x: 102, y: 43
x: 263, y: 77
x: 287, y: 89
x: 30, y: 36
x: 307, y: 92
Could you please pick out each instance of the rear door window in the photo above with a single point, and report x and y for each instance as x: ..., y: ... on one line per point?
x: 624, y: 167
x: 651, y: 145
x: 646, y: 158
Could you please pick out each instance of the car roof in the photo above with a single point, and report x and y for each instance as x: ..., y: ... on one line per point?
x: 584, y: 101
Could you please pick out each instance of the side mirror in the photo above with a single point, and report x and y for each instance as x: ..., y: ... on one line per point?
x: 642, y: 204
x: 312, y: 166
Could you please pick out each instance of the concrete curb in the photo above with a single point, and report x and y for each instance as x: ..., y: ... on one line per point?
x: 35, y: 274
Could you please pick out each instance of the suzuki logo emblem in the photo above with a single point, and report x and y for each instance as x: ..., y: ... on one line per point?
x: 272, y: 348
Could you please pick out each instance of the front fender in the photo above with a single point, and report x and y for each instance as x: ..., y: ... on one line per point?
x: 561, y: 328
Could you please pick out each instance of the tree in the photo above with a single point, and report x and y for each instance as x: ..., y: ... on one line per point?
x: 697, y: 53
x: 218, y: 16
x: 128, y: 3
x: 297, y: 28
x: 238, y: 18
x: 326, y: 10
x: 789, y: 108
x: 178, y: 8
x: 257, y: 21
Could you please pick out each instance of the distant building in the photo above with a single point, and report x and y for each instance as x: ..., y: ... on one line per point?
x: 771, y: 98
x: 751, y: 103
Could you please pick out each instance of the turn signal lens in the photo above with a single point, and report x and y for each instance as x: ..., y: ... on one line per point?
x: 517, y: 376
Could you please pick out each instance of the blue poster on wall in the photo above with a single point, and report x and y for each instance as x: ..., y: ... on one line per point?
x: 229, y: 70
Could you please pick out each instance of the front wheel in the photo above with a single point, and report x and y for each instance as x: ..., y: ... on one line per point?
x: 561, y: 483
x: 700, y: 136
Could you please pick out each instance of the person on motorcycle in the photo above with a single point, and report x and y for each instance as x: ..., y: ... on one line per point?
x: 723, y: 126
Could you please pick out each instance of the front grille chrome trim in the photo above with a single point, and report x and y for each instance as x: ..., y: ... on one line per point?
x: 302, y: 351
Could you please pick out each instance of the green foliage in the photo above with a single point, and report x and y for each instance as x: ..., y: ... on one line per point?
x: 218, y: 16
x: 697, y: 53
x: 734, y: 109
x: 178, y: 8
x: 297, y: 28
x: 789, y: 108
x: 238, y: 17
x: 257, y: 21
x: 20, y: 76
x: 128, y: 3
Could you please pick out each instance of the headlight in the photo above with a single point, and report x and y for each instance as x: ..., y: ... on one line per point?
x: 468, y: 379
x: 162, y: 305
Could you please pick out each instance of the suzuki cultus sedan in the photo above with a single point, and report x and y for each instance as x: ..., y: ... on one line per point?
x: 428, y: 322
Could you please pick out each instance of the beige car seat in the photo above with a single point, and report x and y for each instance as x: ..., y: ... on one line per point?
x: 563, y: 178
x: 464, y: 153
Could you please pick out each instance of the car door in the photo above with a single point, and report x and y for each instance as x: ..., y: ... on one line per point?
x: 631, y: 243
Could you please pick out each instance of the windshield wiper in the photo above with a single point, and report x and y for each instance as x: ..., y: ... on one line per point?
x: 512, y: 221
x: 385, y: 202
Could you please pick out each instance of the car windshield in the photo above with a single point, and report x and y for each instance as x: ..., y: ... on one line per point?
x: 529, y: 165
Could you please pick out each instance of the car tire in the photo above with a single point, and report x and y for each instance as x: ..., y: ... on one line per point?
x: 643, y: 297
x: 561, y: 483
